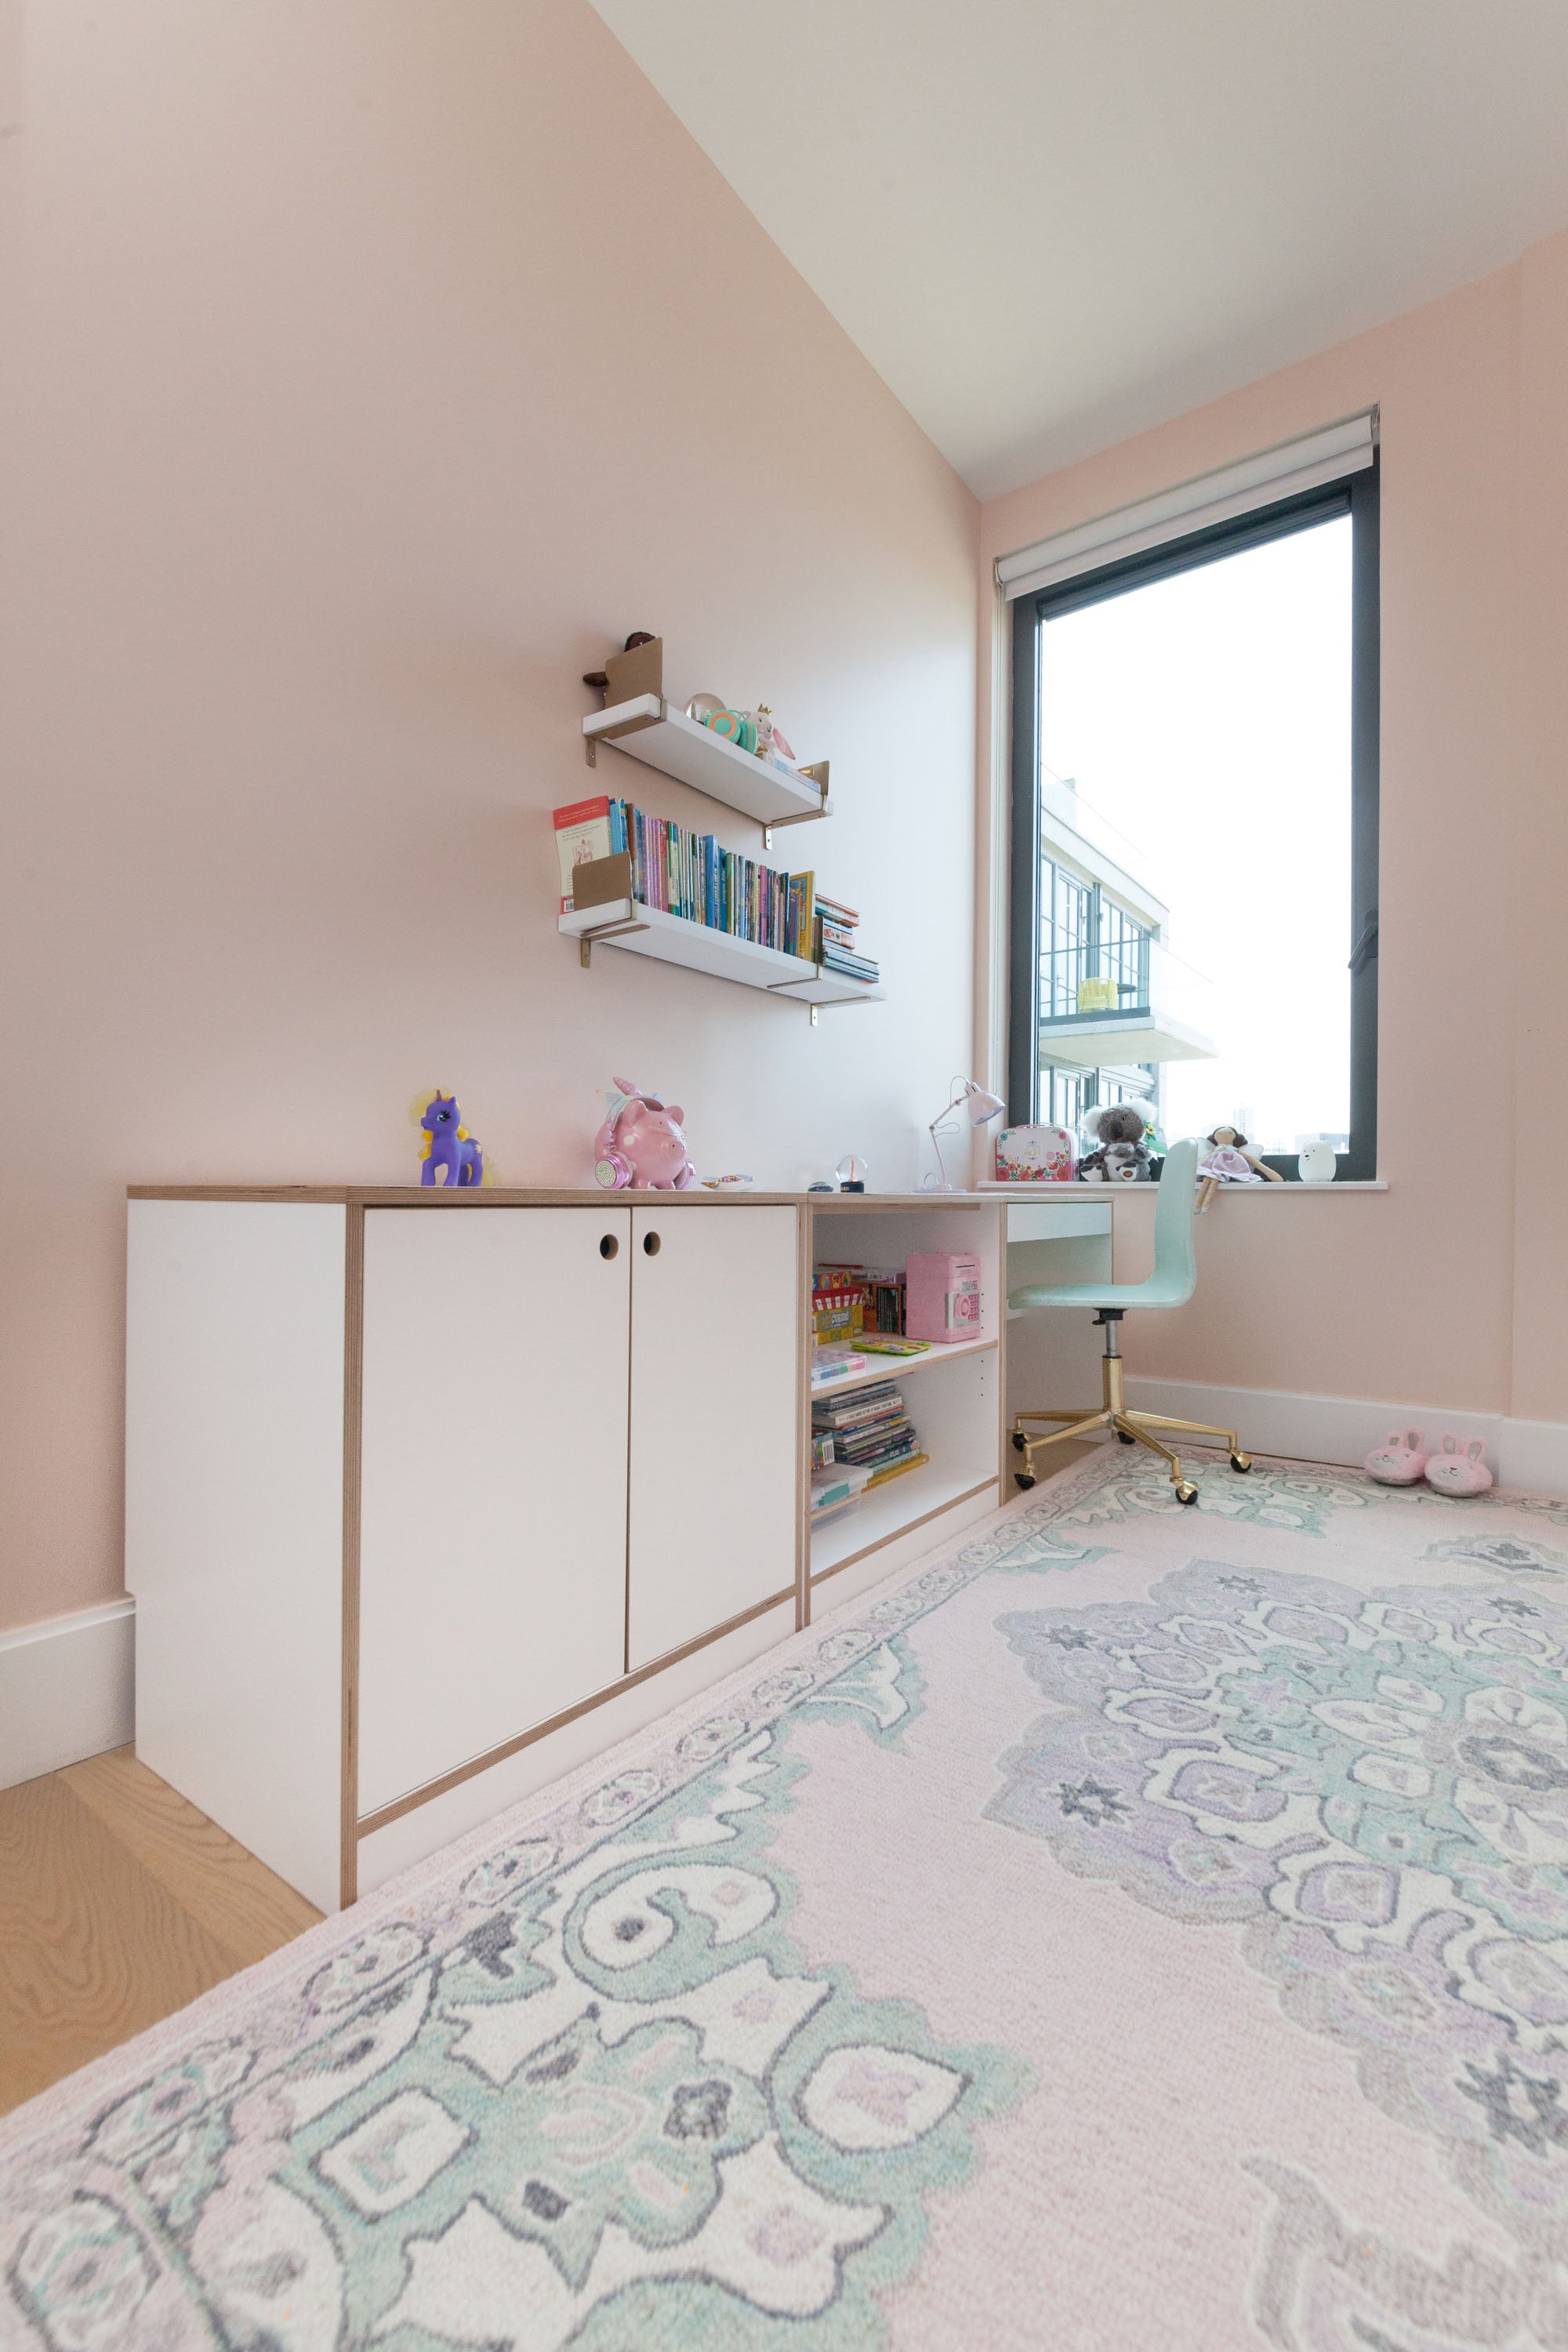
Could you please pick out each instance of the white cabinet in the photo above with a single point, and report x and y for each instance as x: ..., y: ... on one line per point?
x: 493, y: 1480
x: 712, y: 1528
x: 415, y: 1488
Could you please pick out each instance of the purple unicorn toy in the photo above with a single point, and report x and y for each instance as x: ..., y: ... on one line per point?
x: 447, y: 1144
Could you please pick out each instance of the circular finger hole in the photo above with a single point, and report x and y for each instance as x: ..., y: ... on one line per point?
x: 609, y: 1246
x: 650, y: 1245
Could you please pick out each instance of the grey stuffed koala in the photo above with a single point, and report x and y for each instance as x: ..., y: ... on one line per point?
x: 1122, y: 1157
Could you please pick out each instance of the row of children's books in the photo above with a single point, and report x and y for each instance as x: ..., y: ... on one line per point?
x: 690, y: 874
x: 866, y: 1427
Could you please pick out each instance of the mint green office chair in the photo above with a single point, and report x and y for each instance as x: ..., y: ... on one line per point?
x: 1171, y: 1284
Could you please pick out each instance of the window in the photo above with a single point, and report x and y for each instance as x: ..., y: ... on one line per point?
x: 1195, y: 827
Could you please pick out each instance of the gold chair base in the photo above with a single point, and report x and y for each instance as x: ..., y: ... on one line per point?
x: 1132, y: 1428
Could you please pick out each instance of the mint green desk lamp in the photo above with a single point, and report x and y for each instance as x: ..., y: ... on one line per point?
x: 1171, y: 1284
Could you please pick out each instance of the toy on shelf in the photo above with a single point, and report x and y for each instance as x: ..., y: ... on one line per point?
x: 851, y: 1173
x: 1121, y: 1155
x: 736, y: 727
x: 944, y: 1301
x: 1459, y: 1469
x: 771, y: 744
x: 1319, y: 1163
x: 728, y: 1183
x: 1036, y: 1155
x: 1400, y: 1460
x: 641, y: 1143
x: 1228, y: 1161
x: 447, y: 1144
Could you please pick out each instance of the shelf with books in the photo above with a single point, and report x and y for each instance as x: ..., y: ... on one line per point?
x: 883, y: 1367
x: 674, y: 939
x: 605, y: 906
x: 952, y: 1414
x: 651, y: 731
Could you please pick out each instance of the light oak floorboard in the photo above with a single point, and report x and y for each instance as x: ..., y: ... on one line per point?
x: 118, y: 1903
x: 243, y: 1905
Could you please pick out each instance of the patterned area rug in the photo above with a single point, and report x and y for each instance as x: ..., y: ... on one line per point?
x: 1135, y: 1927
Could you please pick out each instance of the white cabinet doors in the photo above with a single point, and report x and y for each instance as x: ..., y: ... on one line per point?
x: 714, y: 1411
x: 493, y: 1529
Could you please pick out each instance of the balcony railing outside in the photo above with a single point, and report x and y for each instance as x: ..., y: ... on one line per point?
x: 1131, y: 982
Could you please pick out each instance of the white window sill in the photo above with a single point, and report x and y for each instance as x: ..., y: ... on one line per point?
x: 1076, y: 1192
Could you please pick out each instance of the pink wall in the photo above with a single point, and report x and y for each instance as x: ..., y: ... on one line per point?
x: 1449, y: 1288
x: 378, y: 364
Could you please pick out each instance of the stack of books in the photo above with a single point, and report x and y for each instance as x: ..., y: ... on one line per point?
x: 836, y: 948
x: 870, y: 1430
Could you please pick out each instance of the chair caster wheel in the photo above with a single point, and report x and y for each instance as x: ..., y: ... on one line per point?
x: 1121, y: 1433
x: 1241, y: 1461
x: 1021, y: 1479
x: 1019, y: 1441
x: 1185, y: 1493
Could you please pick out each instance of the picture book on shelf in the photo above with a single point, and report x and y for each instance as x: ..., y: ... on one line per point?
x: 583, y: 831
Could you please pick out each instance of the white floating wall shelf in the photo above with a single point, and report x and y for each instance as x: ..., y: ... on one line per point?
x: 648, y: 729
x: 699, y: 947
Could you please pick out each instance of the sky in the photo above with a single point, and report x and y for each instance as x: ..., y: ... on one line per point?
x: 1205, y: 721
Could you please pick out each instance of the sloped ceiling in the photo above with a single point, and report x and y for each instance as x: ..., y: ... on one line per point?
x: 1049, y: 223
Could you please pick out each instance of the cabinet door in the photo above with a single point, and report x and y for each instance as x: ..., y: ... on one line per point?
x: 492, y: 1547
x: 715, y: 1407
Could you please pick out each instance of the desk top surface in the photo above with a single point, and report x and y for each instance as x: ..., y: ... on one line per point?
x: 503, y: 1196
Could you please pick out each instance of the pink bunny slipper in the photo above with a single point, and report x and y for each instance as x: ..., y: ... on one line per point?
x: 1459, y: 1469
x: 1401, y: 1461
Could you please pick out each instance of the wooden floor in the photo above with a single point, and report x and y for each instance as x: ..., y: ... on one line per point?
x: 119, y: 1903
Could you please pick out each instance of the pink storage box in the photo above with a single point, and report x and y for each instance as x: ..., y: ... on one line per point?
x: 941, y: 1296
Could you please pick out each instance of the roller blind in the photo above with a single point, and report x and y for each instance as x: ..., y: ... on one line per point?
x: 1279, y: 473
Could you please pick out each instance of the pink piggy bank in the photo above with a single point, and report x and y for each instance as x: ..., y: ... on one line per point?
x: 642, y: 1143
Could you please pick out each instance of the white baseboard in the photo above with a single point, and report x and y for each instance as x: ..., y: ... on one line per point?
x: 66, y: 1690
x: 1531, y: 1456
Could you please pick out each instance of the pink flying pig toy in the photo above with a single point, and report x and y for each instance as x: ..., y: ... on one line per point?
x: 641, y: 1143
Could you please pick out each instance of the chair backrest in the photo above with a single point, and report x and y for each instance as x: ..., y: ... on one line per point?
x: 1176, y: 1260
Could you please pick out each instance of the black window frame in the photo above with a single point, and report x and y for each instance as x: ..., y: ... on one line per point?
x: 1354, y: 494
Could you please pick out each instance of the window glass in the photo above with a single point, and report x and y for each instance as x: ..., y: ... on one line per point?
x: 1195, y: 809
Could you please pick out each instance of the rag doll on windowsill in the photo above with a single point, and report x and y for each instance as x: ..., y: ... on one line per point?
x: 1228, y: 1161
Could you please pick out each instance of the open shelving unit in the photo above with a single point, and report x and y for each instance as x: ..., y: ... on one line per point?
x: 954, y: 1394
x: 648, y: 729
x: 699, y: 947
x: 639, y: 721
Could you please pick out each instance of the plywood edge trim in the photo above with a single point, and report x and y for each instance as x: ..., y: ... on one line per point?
x: 499, y: 1196
x: 896, y: 1535
x: 386, y: 1814
x: 353, y: 1391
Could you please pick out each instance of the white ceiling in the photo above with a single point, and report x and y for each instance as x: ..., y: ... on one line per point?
x: 1049, y: 223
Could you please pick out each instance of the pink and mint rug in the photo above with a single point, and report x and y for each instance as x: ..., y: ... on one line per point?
x: 1136, y: 1928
